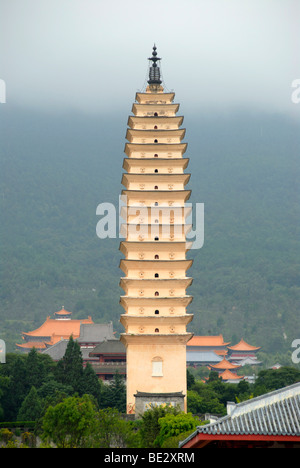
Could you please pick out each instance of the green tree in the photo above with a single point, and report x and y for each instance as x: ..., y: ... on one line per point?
x: 213, y: 376
x: 31, y: 407
x: 35, y: 369
x: 172, y: 425
x: 91, y: 383
x: 206, y: 397
x: 4, y: 385
x: 17, y: 390
x: 150, y: 427
x: 69, y: 370
x: 70, y: 424
x: 114, y: 394
x: 190, y: 379
x: 195, y: 402
x: 273, y: 379
x: 112, y: 431
x: 54, y: 391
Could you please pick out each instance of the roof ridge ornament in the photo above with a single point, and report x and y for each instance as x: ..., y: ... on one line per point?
x: 154, y: 70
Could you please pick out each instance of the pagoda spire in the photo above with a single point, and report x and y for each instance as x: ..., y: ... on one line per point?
x: 154, y: 70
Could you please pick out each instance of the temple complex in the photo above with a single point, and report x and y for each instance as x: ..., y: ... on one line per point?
x: 204, y: 350
x: 62, y: 326
x: 243, y: 353
x: 227, y: 371
x: 155, y: 247
x: 53, y: 335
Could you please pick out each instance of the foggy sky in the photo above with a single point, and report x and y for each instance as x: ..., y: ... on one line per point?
x: 91, y: 55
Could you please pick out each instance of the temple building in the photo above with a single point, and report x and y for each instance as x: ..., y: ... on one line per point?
x: 109, y: 358
x: 214, y: 352
x: 227, y: 371
x: 224, y: 365
x: 53, y: 335
x: 203, y: 350
x: 62, y: 326
x: 230, y: 377
x: 267, y: 421
x: 155, y: 247
x: 243, y: 353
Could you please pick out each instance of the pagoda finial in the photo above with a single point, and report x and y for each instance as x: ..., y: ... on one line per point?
x: 154, y: 70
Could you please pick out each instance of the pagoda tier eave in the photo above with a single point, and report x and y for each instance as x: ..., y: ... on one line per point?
x: 161, y: 230
x: 155, y: 96
x: 154, y: 210
x: 155, y: 147
x: 152, y: 107
x: 183, y: 301
x: 166, y: 194
x: 132, y: 133
x: 159, y: 247
x: 153, y: 301
x: 185, y: 282
x: 159, y: 264
x: 184, y: 319
x: 174, y: 119
x: 159, y: 162
x: 187, y: 318
x: 171, y: 339
x: 164, y: 178
x: 157, y: 177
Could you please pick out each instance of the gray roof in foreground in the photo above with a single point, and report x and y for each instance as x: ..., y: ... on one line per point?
x: 275, y: 413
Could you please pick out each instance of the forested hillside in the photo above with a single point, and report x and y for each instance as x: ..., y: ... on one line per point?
x: 57, y: 168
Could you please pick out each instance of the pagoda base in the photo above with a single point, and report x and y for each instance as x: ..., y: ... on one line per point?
x: 145, y: 401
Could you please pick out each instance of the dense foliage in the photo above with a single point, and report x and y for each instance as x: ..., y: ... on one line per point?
x: 70, y: 407
x: 56, y: 169
x: 30, y: 383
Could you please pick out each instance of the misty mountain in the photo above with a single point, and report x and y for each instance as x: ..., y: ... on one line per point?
x: 57, y: 168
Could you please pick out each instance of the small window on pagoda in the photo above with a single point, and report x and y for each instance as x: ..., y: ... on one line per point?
x: 156, y: 221
x: 155, y: 141
x: 156, y: 330
x: 156, y: 275
x: 157, y: 367
x: 156, y: 155
x: 156, y: 238
x: 156, y: 312
x: 156, y: 203
x: 155, y: 170
x: 156, y: 293
x: 155, y: 114
x: 156, y: 257
x: 155, y: 187
x: 155, y: 127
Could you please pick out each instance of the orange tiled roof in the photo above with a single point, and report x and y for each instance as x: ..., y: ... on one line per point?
x: 228, y: 375
x: 32, y: 344
x: 57, y: 329
x: 220, y: 352
x: 224, y: 364
x: 243, y: 346
x: 207, y: 341
x: 62, y: 311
